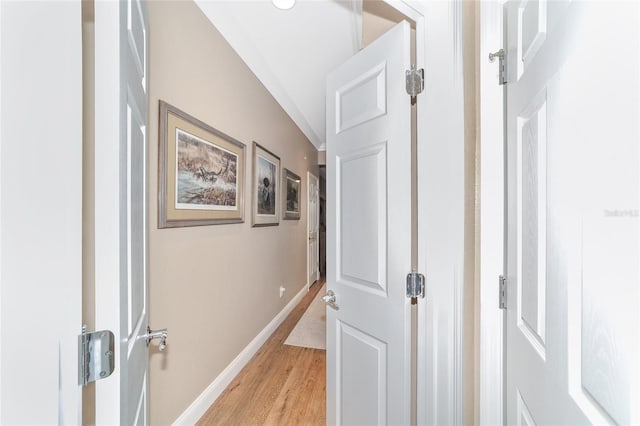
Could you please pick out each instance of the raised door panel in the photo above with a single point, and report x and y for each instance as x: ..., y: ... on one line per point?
x: 532, y: 231
x: 533, y: 29
x: 523, y: 415
x: 136, y: 221
x: 362, y: 368
x: 137, y: 37
x: 135, y: 354
x: 607, y: 360
x: 136, y: 278
x: 362, y: 227
x: 362, y: 99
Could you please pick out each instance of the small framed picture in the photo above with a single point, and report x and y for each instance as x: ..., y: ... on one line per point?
x: 266, y: 191
x: 291, y: 186
x: 200, y: 172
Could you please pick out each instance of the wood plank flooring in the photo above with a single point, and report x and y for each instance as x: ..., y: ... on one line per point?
x: 281, y: 385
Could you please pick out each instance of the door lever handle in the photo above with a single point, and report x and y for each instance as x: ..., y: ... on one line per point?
x: 330, y: 300
x: 157, y: 334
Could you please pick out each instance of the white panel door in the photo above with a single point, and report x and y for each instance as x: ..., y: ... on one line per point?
x: 573, y: 316
x: 313, y: 195
x: 121, y: 225
x: 40, y: 212
x: 369, y: 235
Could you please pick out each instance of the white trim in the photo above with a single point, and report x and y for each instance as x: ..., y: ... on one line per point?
x: 440, y: 115
x: 1, y: 139
x: 317, y: 180
x: 492, y: 203
x: 410, y: 9
x: 41, y: 237
x: 107, y: 198
x: 441, y: 193
x: 202, y: 403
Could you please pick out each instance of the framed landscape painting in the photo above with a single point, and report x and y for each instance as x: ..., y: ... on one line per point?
x: 266, y: 191
x: 291, y: 187
x: 200, y: 172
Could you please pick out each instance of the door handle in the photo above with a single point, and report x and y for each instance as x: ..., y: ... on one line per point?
x: 330, y: 299
x: 157, y: 334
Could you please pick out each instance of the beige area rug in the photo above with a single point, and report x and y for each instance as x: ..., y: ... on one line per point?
x: 310, y: 331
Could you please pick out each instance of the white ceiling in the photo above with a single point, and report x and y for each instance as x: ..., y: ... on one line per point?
x: 292, y: 51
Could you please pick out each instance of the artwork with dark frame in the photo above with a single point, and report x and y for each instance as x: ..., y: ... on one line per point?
x: 266, y: 178
x: 291, y: 186
x: 200, y: 172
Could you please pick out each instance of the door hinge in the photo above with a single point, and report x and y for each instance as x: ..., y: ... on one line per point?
x: 415, y: 81
x: 95, y: 355
x: 502, y: 70
x: 503, y: 292
x: 415, y: 285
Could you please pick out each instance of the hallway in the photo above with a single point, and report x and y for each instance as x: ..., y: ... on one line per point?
x: 282, y: 384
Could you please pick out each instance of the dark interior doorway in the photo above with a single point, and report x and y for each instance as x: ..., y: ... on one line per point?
x: 323, y: 221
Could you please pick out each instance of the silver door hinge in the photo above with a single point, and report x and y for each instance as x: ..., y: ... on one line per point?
x: 415, y: 81
x: 415, y: 285
x: 503, y: 292
x: 95, y: 355
x: 502, y: 70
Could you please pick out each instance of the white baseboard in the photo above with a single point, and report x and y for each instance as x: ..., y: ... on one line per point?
x: 202, y: 403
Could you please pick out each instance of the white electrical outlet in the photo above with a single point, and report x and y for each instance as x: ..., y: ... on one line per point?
x: 282, y: 289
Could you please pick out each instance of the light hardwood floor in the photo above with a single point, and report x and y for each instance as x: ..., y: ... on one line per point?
x: 281, y: 385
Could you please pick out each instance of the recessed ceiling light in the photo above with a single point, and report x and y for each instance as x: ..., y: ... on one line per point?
x: 284, y: 4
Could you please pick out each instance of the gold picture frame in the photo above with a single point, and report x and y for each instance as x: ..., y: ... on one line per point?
x: 200, y: 172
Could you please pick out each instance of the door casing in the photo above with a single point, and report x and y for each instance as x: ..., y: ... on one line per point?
x: 440, y: 175
x: 40, y: 212
x: 492, y: 214
x: 315, y: 251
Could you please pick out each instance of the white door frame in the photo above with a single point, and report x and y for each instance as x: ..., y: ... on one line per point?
x: 309, y: 175
x: 41, y: 212
x: 108, y: 204
x: 440, y: 128
x: 492, y: 214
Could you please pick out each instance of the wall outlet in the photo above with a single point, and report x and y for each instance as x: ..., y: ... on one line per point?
x: 282, y: 289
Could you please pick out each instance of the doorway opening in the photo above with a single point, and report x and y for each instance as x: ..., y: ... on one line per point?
x: 377, y: 20
x: 323, y: 222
